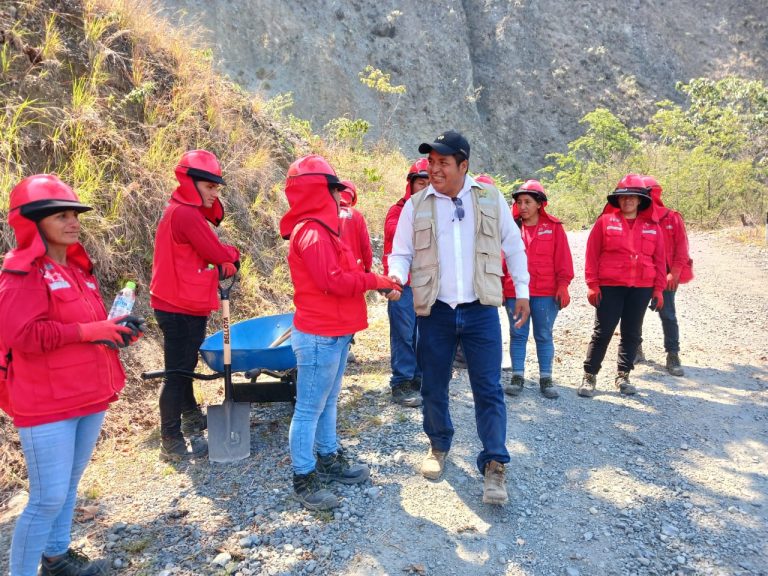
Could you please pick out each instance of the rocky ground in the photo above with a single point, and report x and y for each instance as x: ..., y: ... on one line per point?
x: 671, y: 481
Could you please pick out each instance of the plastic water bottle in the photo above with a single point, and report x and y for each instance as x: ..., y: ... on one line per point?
x: 124, y: 301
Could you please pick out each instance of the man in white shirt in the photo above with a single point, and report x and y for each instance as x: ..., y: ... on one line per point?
x: 454, y: 258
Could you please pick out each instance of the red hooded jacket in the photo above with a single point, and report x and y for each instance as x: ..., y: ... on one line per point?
x: 622, y: 255
x: 187, y: 251
x: 52, y: 375
x: 549, y: 258
x: 354, y: 230
x: 390, y: 222
x: 329, y: 286
x: 679, y: 261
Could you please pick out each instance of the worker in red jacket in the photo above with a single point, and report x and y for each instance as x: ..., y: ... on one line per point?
x: 354, y: 230
x: 329, y: 295
x: 405, y: 382
x: 188, y: 261
x: 625, y: 270
x: 59, y: 368
x: 550, y: 266
x: 679, y: 271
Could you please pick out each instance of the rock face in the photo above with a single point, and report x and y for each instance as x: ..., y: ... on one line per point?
x: 514, y: 75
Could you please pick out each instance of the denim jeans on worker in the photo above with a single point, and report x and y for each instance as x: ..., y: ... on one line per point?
x: 56, y: 455
x: 668, y: 317
x: 543, y: 314
x: 478, y: 329
x: 182, y: 336
x: 320, y: 361
x: 402, y: 339
x: 618, y: 303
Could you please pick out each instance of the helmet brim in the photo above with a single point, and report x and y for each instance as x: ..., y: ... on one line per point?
x: 40, y: 209
x: 197, y: 174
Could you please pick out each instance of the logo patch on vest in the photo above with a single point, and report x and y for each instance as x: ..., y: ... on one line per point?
x: 54, y: 279
x: 649, y: 231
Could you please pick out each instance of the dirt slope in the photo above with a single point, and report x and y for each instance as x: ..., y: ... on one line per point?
x: 671, y: 481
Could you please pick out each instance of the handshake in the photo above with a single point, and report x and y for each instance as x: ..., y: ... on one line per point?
x: 116, y: 333
x: 385, y: 285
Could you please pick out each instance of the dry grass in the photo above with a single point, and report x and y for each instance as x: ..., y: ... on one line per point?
x: 108, y: 95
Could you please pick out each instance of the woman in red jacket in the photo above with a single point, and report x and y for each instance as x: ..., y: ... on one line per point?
x: 679, y: 271
x: 329, y: 295
x: 188, y: 260
x: 59, y: 368
x: 625, y: 270
x: 551, y: 268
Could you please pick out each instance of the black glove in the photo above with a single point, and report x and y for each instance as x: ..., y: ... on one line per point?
x: 137, y: 326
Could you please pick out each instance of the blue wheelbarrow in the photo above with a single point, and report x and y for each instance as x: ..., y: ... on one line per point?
x: 260, y: 347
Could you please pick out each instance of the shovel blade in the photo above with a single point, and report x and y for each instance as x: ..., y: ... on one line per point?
x: 229, y: 431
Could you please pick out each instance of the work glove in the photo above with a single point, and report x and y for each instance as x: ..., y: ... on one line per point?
x: 384, y: 284
x: 594, y: 295
x: 673, y: 281
x: 228, y: 269
x: 137, y: 326
x: 657, y: 301
x: 108, y: 332
x: 562, y: 297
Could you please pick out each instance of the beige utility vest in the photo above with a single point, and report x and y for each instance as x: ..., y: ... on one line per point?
x: 425, y: 266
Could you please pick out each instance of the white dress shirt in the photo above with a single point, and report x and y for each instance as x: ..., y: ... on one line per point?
x: 456, y: 246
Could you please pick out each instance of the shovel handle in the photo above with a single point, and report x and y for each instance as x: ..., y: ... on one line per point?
x: 282, y: 338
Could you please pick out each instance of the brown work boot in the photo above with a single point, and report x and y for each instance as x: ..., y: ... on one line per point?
x: 623, y: 384
x: 547, y: 388
x: 434, y: 464
x: 588, y: 383
x: 515, y: 386
x: 494, y: 484
x: 673, y: 364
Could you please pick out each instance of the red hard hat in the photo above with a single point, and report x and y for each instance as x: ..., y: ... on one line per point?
x: 42, y: 195
x: 418, y: 169
x: 631, y: 185
x: 655, y: 188
x: 533, y: 188
x: 349, y: 193
x: 485, y: 179
x: 200, y: 165
x: 31, y: 200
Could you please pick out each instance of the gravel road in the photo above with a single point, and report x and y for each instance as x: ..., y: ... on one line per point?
x: 671, y: 481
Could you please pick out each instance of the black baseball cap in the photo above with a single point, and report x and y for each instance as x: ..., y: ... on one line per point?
x: 448, y: 143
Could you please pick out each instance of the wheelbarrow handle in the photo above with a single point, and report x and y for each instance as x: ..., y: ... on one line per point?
x: 161, y: 373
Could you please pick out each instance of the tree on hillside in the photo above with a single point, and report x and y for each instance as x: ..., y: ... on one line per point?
x: 583, y: 176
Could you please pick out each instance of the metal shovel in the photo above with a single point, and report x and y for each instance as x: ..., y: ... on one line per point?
x: 229, y: 424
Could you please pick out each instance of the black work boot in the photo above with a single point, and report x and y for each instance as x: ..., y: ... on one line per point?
x: 405, y: 395
x: 309, y: 491
x: 588, y: 383
x: 515, y: 386
x: 73, y: 563
x: 673, y: 364
x: 639, y: 355
x: 336, y: 467
x: 193, y: 422
x: 547, y: 387
x: 176, y: 449
x: 623, y: 384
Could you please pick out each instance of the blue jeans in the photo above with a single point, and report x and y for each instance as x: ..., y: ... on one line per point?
x: 56, y: 455
x: 402, y: 339
x: 543, y: 313
x: 320, y: 361
x: 668, y: 317
x: 478, y: 329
